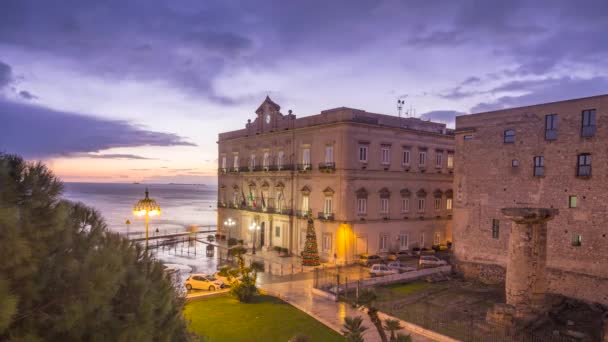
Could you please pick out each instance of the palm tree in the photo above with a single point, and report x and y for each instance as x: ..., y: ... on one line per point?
x: 353, y: 330
x: 367, y: 298
x: 392, y: 325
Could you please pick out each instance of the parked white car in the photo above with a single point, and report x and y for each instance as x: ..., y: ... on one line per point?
x: 400, y: 267
x: 203, y: 282
x: 381, y: 270
x: 430, y: 261
x: 225, y: 280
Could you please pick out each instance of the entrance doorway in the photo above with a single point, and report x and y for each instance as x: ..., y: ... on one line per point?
x: 262, y: 233
x: 361, y: 244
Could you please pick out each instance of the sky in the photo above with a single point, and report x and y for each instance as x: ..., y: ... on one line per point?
x: 137, y: 91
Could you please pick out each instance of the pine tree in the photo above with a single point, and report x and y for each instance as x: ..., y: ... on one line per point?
x: 65, y: 277
x: 310, y: 255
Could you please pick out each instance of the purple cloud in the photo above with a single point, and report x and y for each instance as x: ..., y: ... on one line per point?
x: 38, y: 132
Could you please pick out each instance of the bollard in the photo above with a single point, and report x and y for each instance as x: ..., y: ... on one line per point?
x: 357, y: 292
x: 337, y: 286
x: 346, y: 289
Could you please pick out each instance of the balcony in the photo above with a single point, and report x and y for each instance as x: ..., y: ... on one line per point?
x: 306, y: 167
x: 284, y: 211
x: 327, y: 167
x: 323, y: 216
x: 304, y: 213
x: 222, y: 170
x: 222, y: 205
x: 282, y: 167
x: 234, y: 170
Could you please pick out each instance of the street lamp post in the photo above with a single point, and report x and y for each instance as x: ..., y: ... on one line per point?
x: 128, y: 223
x: 146, y: 207
x: 229, y: 223
x: 255, y: 227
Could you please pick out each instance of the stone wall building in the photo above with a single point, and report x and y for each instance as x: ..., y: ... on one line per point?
x: 373, y: 183
x: 554, y: 156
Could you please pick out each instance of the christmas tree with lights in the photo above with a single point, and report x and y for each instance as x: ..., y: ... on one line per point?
x: 310, y: 255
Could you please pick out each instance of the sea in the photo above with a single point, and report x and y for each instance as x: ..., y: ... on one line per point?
x: 182, y: 205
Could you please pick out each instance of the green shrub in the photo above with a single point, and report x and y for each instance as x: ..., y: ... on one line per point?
x: 241, y: 242
x: 231, y: 242
x: 277, y: 249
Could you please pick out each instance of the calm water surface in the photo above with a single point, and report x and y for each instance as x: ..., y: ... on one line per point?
x: 181, y: 205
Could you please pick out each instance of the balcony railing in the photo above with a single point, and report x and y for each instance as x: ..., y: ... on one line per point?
x: 222, y: 205
x: 234, y: 169
x: 304, y: 213
x: 327, y: 166
x: 305, y: 167
x: 326, y: 216
x: 282, y: 167
x: 222, y: 170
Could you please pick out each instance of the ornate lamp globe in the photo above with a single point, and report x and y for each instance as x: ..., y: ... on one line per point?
x: 146, y: 207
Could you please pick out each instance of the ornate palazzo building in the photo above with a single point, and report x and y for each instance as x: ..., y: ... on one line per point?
x: 372, y: 183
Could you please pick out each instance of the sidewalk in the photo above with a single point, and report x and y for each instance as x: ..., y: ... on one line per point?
x: 298, y: 293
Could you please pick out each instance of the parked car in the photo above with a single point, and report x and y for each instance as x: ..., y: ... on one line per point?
x: 381, y: 270
x: 400, y: 267
x: 402, y: 255
x: 368, y: 260
x: 224, y: 280
x: 391, y: 257
x: 430, y: 261
x: 203, y: 282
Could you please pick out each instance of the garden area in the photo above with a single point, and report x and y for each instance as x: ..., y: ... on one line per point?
x: 264, y: 318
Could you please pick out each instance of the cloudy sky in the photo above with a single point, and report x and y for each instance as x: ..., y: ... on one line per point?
x: 123, y: 91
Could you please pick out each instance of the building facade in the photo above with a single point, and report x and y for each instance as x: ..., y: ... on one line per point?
x: 552, y: 156
x: 372, y: 183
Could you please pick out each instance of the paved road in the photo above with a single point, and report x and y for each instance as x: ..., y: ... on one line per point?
x: 298, y: 292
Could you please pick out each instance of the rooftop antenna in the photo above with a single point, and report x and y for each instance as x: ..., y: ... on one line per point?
x: 400, y: 103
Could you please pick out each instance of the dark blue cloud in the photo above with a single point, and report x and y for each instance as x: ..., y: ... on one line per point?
x: 6, y: 75
x: 38, y: 132
x: 544, y: 90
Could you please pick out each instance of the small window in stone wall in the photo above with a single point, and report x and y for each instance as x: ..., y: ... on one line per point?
x: 509, y: 136
x: 495, y: 228
x: 277, y: 231
x: 514, y: 163
x: 577, y: 240
x: 571, y: 201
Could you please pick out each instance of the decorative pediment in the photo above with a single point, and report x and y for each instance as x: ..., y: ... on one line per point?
x: 305, y: 190
x: 252, y: 185
x: 421, y: 193
x: 235, y: 187
x: 265, y: 185
x: 268, y: 103
x: 449, y: 193
x: 361, y: 193
x: 384, y: 193
x: 328, y: 191
x: 222, y: 187
x: 438, y: 193
x: 279, y: 186
x: 405, y: 192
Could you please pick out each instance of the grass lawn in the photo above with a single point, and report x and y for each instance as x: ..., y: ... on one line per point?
x: 410, y: 288
x: 265, y: 319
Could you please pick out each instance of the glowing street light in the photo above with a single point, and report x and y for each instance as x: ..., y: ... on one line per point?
x: 255, y: 227
x: 229, y: 223
x: 146, y: 207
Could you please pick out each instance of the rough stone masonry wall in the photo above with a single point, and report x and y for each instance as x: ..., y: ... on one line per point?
x: 485, y: 182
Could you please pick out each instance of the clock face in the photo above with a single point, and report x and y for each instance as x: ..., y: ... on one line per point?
x: 267, y: 118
